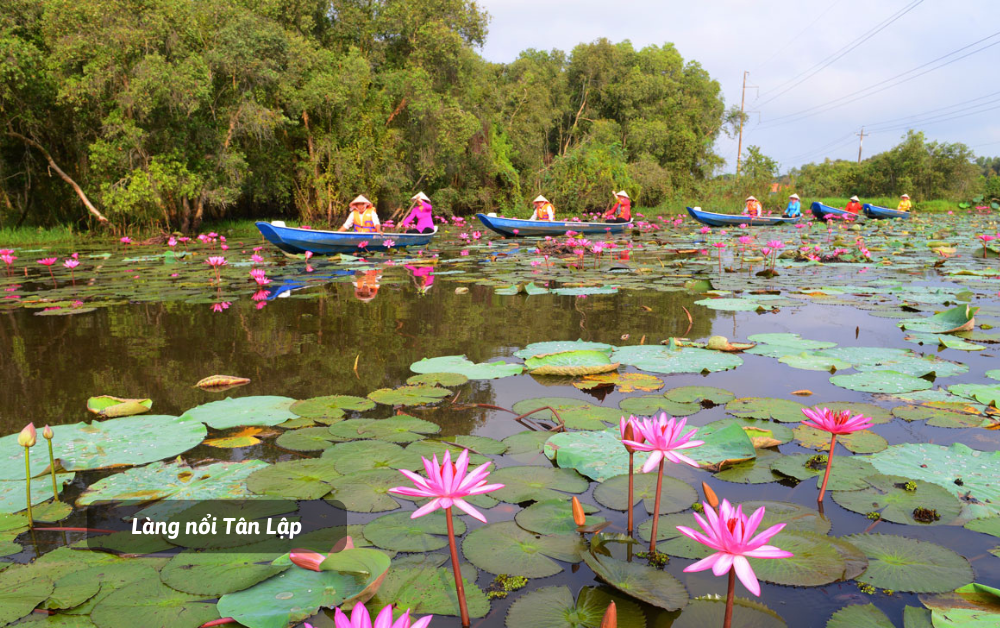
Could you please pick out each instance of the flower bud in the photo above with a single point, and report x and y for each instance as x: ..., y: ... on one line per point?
x: 307, y: 559
x: 610, y: 617
x: 47, y: 432
x: 579, y: 517
x: 710, y: 496
x: 28, y: 436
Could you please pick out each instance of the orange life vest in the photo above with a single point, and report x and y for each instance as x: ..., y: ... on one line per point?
x: 543, y: 212
x: 754, y: 208
x: 364, y: 221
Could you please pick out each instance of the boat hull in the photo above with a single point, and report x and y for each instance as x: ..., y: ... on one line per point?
x: 821, y: 212
x: 296, y: 241
x: 874, y: 211
x: 517, y: 228
x: 713, y: 219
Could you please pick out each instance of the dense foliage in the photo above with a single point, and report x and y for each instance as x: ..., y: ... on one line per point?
x: 174, y: 111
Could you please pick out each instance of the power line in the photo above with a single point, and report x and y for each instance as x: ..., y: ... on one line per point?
x: 965, y: 104
x: 859, y: 94
x: 796, y: 37
x: 823, y: 64
x: 946, y: 118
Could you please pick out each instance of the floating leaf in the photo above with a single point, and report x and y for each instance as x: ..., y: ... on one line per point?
x: 902, y: 564
x: 859, y: 616
x: 330, y: 408
x: 814, y: 362
x: 306, y: 439
x: 710, y: 611
x: 734, y: 305
x: 213, y: 574
x: 505, y: 548
x: 251, y: 411
x: 862, y: 442
x: 543, y: 348
x: 409, y: 395
x: 576, y: 413
x: 961, y: 318
x: 881, y: 382
x: 624, y: 382
x: 448, y: 380
x: 13, y: 497
x: 971, y: 606
x: 243, y: 438
x: 647, y: 584
x: 526, y: 447
x: 649, y: 405
x: 524, y: 484
x: 704, y: 395
x: 662, y: 359
x: 463, y: 366
x: 675, y: 495
x: 554, y: 517
x: 783, y: 410
x: 847, y: 474
x: 941, y: 417
x: 430, y: 590
x: 360, y: 455
x: 219, y: 383
x: 983, y: 393
x: 366, y: 491
x: 21, y: 590
x: 399, y: 533
x: 114, y: 407
x: 775, y: 345
x: 573, y: 363
x: 756, y: 471
x: 294, y: 479
x: 889, y: 496
x: 554, y: 607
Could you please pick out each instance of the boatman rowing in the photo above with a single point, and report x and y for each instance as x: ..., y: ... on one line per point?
x: 543, y: 209
x: 362, y: 218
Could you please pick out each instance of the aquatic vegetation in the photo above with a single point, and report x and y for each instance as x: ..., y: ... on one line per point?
x: 27, y: 439
x: 834, y: 423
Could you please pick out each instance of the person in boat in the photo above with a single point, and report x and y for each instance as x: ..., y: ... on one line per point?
x: 622, y: 209
x: 423, y: 277
x: 794, y: 209
x: 421, y: 214
x: 854, y: 206
x: 362, y: 218
x: 543, y: 209
x: 904, y: 203
x: 366, y: 284
x: 754, y: 208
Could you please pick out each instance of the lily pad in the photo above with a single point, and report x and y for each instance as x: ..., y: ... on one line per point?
x: 889, y: 496
x: 524, y: 484
x: 624, y: 382
x: 961, y: 318
x: 213, y: 574
x: 573, y: 363
x: 463, y: 366
x: 903, y: 564
x: 663, y: 359
x: 814, y: 362
x: 21, y: 590
x: 647, y: 584
x: 430, y: 590
x: 734, y: 305
x: 848, y: 472
x: 859, y: 616
x: 400, y: 428
x: 554, y: 517
x: 675, y: 495
x: 331, y: 407
x: 710, y: 611
x: 983, y: 393
x: 576, y: 413
x: 366, y: 491
x: 775, y: 345
x: 941, y: 417
x: 447, y: 380
x: 294, y: 479
x: 649, y: 405
x: 704, y: 395
x: 429, y: 448
x: 306, y: 439
x: 783, y: 410
x: 542, y: 348
x: 409, y: 395
x: 756, y: 471
x: 863, y: 442
x: 244, y: 411
x: 971, y: 606
x: 114, y: 407
x: 246, y: 437
x: 881, y: 382
x: 399, y: 533
x: 554, y: 607
x: 359, y: 455
x: 988, y: 525
x: 506, y: 548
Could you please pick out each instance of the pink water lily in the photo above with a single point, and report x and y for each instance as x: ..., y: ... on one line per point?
x: 48, y: 261
x: 389, y: 243
x: 626, y: 428
x: 260, y: 276
x: 834, y: 423
x: 447, y: 484
x: 361, y: 619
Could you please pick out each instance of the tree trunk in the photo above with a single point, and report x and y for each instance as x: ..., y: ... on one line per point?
x: 65, y: 177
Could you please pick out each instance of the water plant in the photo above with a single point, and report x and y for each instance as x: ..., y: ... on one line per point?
x: 834, y: 423
x: 27, y: 439
x: 48, y: 434
x: 630, y: 435
x: 216, y: 262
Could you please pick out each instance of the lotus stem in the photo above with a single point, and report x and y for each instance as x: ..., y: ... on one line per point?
x: 457, y: 568
x: 52, y: 469
x: 656, y: 512
x: 829, y: 465
x: 631, y: 504
x: 27, y: 484
x: 727, y: 621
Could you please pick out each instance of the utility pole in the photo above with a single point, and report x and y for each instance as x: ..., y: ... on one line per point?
x: 861, y: 141
x: 739, y: 149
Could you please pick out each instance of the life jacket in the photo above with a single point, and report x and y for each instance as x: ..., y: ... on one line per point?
x: 543, y: 212
x: 754, y: 208
x: 622, y: 209
x: 904, y: 205
x: 364, y: 221
x: 854, y: 207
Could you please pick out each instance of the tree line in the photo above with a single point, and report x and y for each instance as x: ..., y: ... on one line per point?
x: 172, y: 112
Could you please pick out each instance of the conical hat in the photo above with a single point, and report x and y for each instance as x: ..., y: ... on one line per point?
x: 905, y: 196
x: 361, y: 200
x: 540, y: 199
x: 855, y: 198
x: 420, y: 196
x: 623, y: 193
x: 795, y: 196
x: 750, y: 198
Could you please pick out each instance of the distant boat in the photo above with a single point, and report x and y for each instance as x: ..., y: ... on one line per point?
x: 874, y: 211
x: 516, y: 227
x: 821, y: 212
x: 713, y: 219
x: 297, y: 240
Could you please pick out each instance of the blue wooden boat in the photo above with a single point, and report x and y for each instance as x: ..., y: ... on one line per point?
x: 539, y: 228
x: 821, y: 212
x: 713, y: 219
x: 874, y: 211
x: 295, y: 240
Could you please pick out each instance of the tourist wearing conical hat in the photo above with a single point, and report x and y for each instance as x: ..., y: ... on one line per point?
x: 362, y: 218
x: 622, y: 209
x: 753, y: 208
x: 794, y: 209
x: 904, y: 203
x: 422, y: 212
x: 366, y: 284
x: 543, y: 209
x: 854, y: 206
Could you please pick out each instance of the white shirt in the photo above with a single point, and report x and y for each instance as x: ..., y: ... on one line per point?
x: 350, y: 220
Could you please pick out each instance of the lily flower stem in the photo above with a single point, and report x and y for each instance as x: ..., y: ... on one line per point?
x: 727, y: 621
x: 457, y: 568
x: 656, y: 511
x: 27, y: 483
x: 631, y: 504
x: 52, y: 469
x: 829, y: 465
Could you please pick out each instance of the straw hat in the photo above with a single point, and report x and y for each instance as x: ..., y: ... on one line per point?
x: 905, y: 196
x: 855, y: 198
x: 623, y: 193
x: 750, y: 198
x: 540, y: 199
x: 420, y: 196
x: 795, y: 196
x: 361, y: 200
x: 365, y: 299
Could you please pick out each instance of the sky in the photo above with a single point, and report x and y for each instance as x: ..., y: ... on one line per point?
x: 802, y: 56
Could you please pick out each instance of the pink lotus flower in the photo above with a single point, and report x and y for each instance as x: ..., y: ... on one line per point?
x: 216, y: 261
x: 517, y: 231
x: 362, y: 245
x: 447, y: 484
x: 6, y: 251
x: 8, y: 259
x: 835, y: 422
x: 361, y: 619
x: 463, y: 252
x: 222, y: 306
x: 260, y: 295
x: 704, y: 230
x: 48, y: 261
x: 309, y: 254
x: 719, y: 245
x: 731, y: 534
x: 172, y: 242
x: 663, y: 437
x: 256, y: 259
x: 260, y: 276
x: 71, y: 264
x: 126, y: 240
x: 389, y: 243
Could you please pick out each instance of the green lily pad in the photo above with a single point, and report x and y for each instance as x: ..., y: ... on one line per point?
x: 14, y: 499
x: 863, y: 442
x: 971, y: 606
x: 978, y: 492
x: 987, y: 525
x: 782, y: 410
x: 156, y: 603
x: 961, y: 318
x: 409, y: 395
x: 647, y: 584
x: 814, y: 362
x: 888, y: 496
x: 859, y: 616
x: 367, y: 491
x: 663, y: 359
x: 171, y: 483
x: 364, y: 455
x: 212, y: 574
x: 21, y: 590
x: 576, y: 413
x: 447, y: 380
x: 244, y: 411
x: 463, y: 366
x: 526, y: 447
x: 940, y: 417
x: 983, y: 393
x: 476, y: 444
x: 330, y: 408
x: 554, y: 517
x: 848, y: 473
x: 430, y: 590
x: 704, y: 395
x: 903, y: 564
x: 877, y: 414
x: 733, y: 305
x: 524, y: 484
x: 114, y: 407
x: 775, y: 345
x: 815, y: 562
x: 881, y: 382
x: 710, y: 611
x: 897, y: 360
x: 506, y: 548
x: 570, y: 363
x: 294, y: 479
x: 296, y: 594
x: 649, y: 405
x: 756, y: 471
x: 675, y: 495
x: 73, y: 590
x: 623, y: 382
x: 400, y: 428
x: 399, y: 533
x: 306, y: 439
x: 554, y: 607
x: 429, y: 448
x: 993, y: 374
x: 558, y: 346
x: 116, y: 576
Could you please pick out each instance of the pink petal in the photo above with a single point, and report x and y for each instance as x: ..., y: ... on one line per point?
x: 426, y: 509
x: 768, y: 551
x: 384, y: 619
x: 703, y: 564
x: 653, y: 461
x: 360, y: 617
x: 468, y: 509
x: 746, y: 575
x: 723, y: 564
x: 340, y: 620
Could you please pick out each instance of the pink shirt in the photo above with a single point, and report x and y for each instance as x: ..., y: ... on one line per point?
x: 422, y: 212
